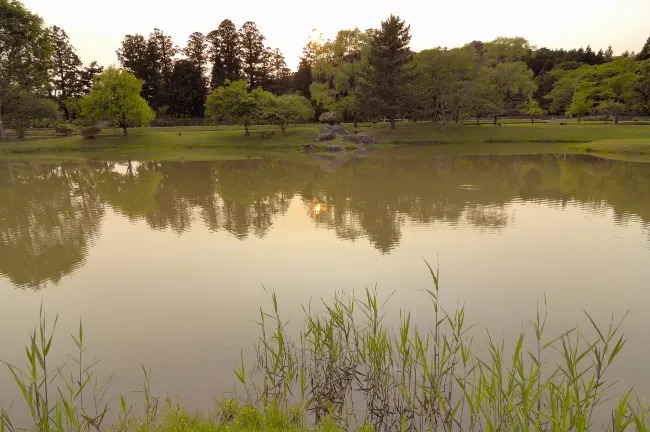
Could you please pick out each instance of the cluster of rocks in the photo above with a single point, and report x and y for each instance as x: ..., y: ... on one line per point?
x: 330, y: 132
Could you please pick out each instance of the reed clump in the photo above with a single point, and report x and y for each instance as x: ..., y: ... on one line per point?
x: 346, y: 369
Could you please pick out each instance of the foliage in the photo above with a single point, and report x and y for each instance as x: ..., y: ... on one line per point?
x: 286, y: 110
x: 331, y: 117
x: 26, y: 109
x: 337, y: 69
x: 187, y: 90
x: 150, y: 60
x: 233, y: 104
x: 224, y: 53
x: 65, y: 129
x: 196, y: 51
x: 90, y: 132
x: 580, y: 106
x: 532, y: 110
x: 25, y: 53
x: 252, y: 51
x: 612, y: 107
x: 384, y: 80
x: 116, y: 98
x: 67, y: 66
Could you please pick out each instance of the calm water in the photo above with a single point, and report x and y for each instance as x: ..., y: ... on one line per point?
x: 164, y: 262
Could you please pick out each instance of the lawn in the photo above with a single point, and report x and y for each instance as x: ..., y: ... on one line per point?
x: 192, y: 141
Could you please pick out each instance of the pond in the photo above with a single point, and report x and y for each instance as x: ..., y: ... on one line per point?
x: 166, y: 263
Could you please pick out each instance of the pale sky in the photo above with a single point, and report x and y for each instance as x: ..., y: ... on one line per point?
x: 97, y: 28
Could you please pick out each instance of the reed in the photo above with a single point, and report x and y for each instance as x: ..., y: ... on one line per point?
x: 346, y: 369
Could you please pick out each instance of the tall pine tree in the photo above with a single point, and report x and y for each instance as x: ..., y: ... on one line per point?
x: 66, y: 73
x: 384, y: 80
x: 225, y: 54
x: 196, y: 50
x: 253, y: 53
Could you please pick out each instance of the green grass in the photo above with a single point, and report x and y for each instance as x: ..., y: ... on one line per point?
x: 639, y: 146
x: 347, y: 370
x: 187, y: 141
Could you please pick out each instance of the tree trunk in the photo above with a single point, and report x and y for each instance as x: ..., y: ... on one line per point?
x: 2, y: 129
x: 247, y: 133
x: 532, y: 121
x: 478, y: 121
x: 495, y: 121
x: 283, y: 130
x: 21, y: 132
x: 392, y: 122
x: 615, y: 119
x: 125, y: 133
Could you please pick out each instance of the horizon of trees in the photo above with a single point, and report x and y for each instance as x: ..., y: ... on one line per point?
x: 354, y: 74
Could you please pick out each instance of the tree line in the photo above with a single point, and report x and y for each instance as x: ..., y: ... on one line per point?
x: 362, y: 75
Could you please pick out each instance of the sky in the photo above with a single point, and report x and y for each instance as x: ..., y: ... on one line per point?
x: 96, y: 28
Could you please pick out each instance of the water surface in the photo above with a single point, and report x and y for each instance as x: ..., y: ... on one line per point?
x: 165, y: 261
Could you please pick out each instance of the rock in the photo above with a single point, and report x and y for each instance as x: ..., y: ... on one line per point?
x: 327, y: 136
x: 362, y: 139
x: 340, y: 130
x: 308, y: 147
x: 335, y: 148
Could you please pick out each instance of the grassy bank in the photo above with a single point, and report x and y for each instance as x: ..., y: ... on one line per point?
x: 345, y: 369
x: 189, y: 140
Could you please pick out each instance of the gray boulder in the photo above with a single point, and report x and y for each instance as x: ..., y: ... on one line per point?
x: 335, y: 148
x: 362, y: 139
x: 326, y: 136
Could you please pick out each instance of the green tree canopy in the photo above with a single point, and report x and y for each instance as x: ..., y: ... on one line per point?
x: 25, y: 109
x: 234, y: 104
x: 337, y: 69
x: 25, y: 53
x: 116, y: 97
x: 288, y: 109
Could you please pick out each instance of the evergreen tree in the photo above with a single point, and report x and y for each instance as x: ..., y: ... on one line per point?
x: 224, y: 54
x: 253, y: 53
x: 197, y: 50
x: 66, y: 73
x: 187, y: 90
x: 385, y: 78
x: 161, y: 51
x: 87, y: 75
x: 644, y: 54
x: 609, y: 54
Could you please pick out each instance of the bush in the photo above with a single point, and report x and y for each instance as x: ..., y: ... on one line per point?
x: 90, y: 132
x: 636, y: 119
x: 331, y: 117
x: 563, y: 123
x: 65, y: 129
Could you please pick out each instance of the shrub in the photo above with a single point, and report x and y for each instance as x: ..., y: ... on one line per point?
x: 65, y: 129
x: 90, y: 132
x: 563, y: 123
x: 331, y: 117
x: 636, y: 119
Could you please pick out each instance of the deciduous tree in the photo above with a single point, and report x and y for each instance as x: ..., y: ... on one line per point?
x: 116, y: 97
x: 25, y: 109
x: 234, y: 104
x: 286, y: 110
x: 25, y: 53
x: 531, y: 110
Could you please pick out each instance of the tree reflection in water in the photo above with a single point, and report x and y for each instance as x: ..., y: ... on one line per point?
x: 51, y: 214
